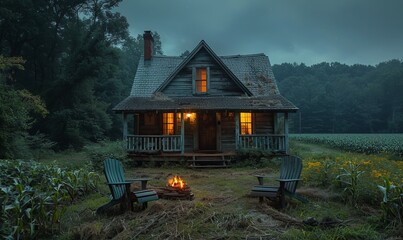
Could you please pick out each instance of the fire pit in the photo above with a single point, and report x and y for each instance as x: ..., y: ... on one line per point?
x: 176, y: 188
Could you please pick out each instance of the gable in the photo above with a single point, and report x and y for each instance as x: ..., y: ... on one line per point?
x: 249, y: 75
x: 219, y: 82
x: 213, y: 58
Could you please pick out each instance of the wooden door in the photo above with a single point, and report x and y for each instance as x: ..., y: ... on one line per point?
x: 207, y: 131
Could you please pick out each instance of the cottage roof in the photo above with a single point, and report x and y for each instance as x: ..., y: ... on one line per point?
x: 252, y: 73
x: 151, y: 74
x: 161, y: 102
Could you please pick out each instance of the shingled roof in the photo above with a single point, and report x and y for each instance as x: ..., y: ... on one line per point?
x: 151, y: 74
x: 252, y: 72
x: 264, y: 103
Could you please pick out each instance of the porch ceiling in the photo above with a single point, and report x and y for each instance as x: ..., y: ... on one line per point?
x: 266, y: 103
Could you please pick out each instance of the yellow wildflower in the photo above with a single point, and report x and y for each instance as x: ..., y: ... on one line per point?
x: 367, y: 162
x: 314, y: 164
x: 376, y: 173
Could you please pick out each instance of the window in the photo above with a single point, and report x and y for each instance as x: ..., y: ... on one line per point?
x: 201, y: 80
x: 168, y: 124
x: 246, y: 123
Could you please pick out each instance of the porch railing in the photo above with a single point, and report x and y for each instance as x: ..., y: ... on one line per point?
x: 264, y: 142
x: 154, y: 143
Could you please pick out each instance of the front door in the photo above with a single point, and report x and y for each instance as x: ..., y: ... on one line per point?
x: 207, y: 131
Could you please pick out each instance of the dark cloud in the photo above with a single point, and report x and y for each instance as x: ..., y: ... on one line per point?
x: 309, y: 31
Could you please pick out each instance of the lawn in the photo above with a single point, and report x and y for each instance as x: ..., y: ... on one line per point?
x: 222, y: 208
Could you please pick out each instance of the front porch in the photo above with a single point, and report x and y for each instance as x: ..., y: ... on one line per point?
x: 203, y: 135
x: 164, y: 144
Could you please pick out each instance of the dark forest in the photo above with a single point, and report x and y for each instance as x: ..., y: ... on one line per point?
x: 338, y: 98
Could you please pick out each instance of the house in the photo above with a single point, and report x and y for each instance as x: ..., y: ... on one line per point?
x: 204, y: 103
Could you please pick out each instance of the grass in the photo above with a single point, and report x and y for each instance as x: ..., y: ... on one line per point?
x: 222, y: 208
x: 68, y: 158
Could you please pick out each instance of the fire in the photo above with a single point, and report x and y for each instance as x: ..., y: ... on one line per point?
x: 176, y: 182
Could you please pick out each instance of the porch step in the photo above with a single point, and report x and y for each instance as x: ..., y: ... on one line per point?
x: 208, y: 166
x: 206, y: 160
x: 217, y: 161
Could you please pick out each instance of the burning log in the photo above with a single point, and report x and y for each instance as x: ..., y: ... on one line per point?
x: 176, y: 182
x: 176, y: 188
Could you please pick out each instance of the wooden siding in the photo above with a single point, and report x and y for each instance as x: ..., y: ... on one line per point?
x: 227, y: 132
x: 219, y: 82
x: 190, y: 126
x: 263, y: 123
x: 146, y: 128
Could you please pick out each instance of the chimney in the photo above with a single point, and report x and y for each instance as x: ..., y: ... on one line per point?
x: 148, y: 45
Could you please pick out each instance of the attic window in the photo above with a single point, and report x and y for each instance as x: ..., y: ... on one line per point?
x: 200, y: 80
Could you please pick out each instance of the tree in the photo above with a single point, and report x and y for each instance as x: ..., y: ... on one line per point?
x: 185, y: 53
x: 18, y: 111
x: 87, y: 82
x: 79, y: 58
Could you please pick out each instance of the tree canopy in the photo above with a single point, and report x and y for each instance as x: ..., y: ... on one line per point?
x: 337, y: 98
x: 78, y: 56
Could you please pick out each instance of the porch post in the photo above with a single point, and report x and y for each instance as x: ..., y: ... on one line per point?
x: 237, y: 130
x: 286, y: 132
x: 182, y: 134
x: 124, y: 126
x: 276, y: 124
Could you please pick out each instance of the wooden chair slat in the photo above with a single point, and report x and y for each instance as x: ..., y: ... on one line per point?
x: 114, y: 174
x: 291, y: 167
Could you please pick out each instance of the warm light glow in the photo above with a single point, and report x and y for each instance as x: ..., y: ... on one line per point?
x: 190, y: 117
x: 176, y: 182
x: 246, y: 123
x: 201, y: 80
x: 168, y: 123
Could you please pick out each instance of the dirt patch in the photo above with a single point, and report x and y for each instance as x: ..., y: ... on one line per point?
x: 319, y: 193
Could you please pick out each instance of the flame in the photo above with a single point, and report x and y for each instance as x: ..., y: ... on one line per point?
x: 176, y: 182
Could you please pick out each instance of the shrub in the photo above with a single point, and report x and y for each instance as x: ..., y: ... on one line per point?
x: 255, y: 158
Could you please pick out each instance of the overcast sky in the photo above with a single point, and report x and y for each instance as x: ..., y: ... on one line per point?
x: 308, y: 31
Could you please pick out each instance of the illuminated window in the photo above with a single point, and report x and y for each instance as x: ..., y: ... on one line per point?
x: 246, y: 123
x: 168, y: 124
x: 201, y: 80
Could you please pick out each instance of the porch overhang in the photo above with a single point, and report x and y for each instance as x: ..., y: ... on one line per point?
x: 275, y: 103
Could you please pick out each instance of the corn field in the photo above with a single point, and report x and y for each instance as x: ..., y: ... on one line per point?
x: 34, y: 196
x: 361, y: 143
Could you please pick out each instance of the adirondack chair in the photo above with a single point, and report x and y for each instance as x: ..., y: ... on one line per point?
x: 290, y: 171
x: 120, y: 188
